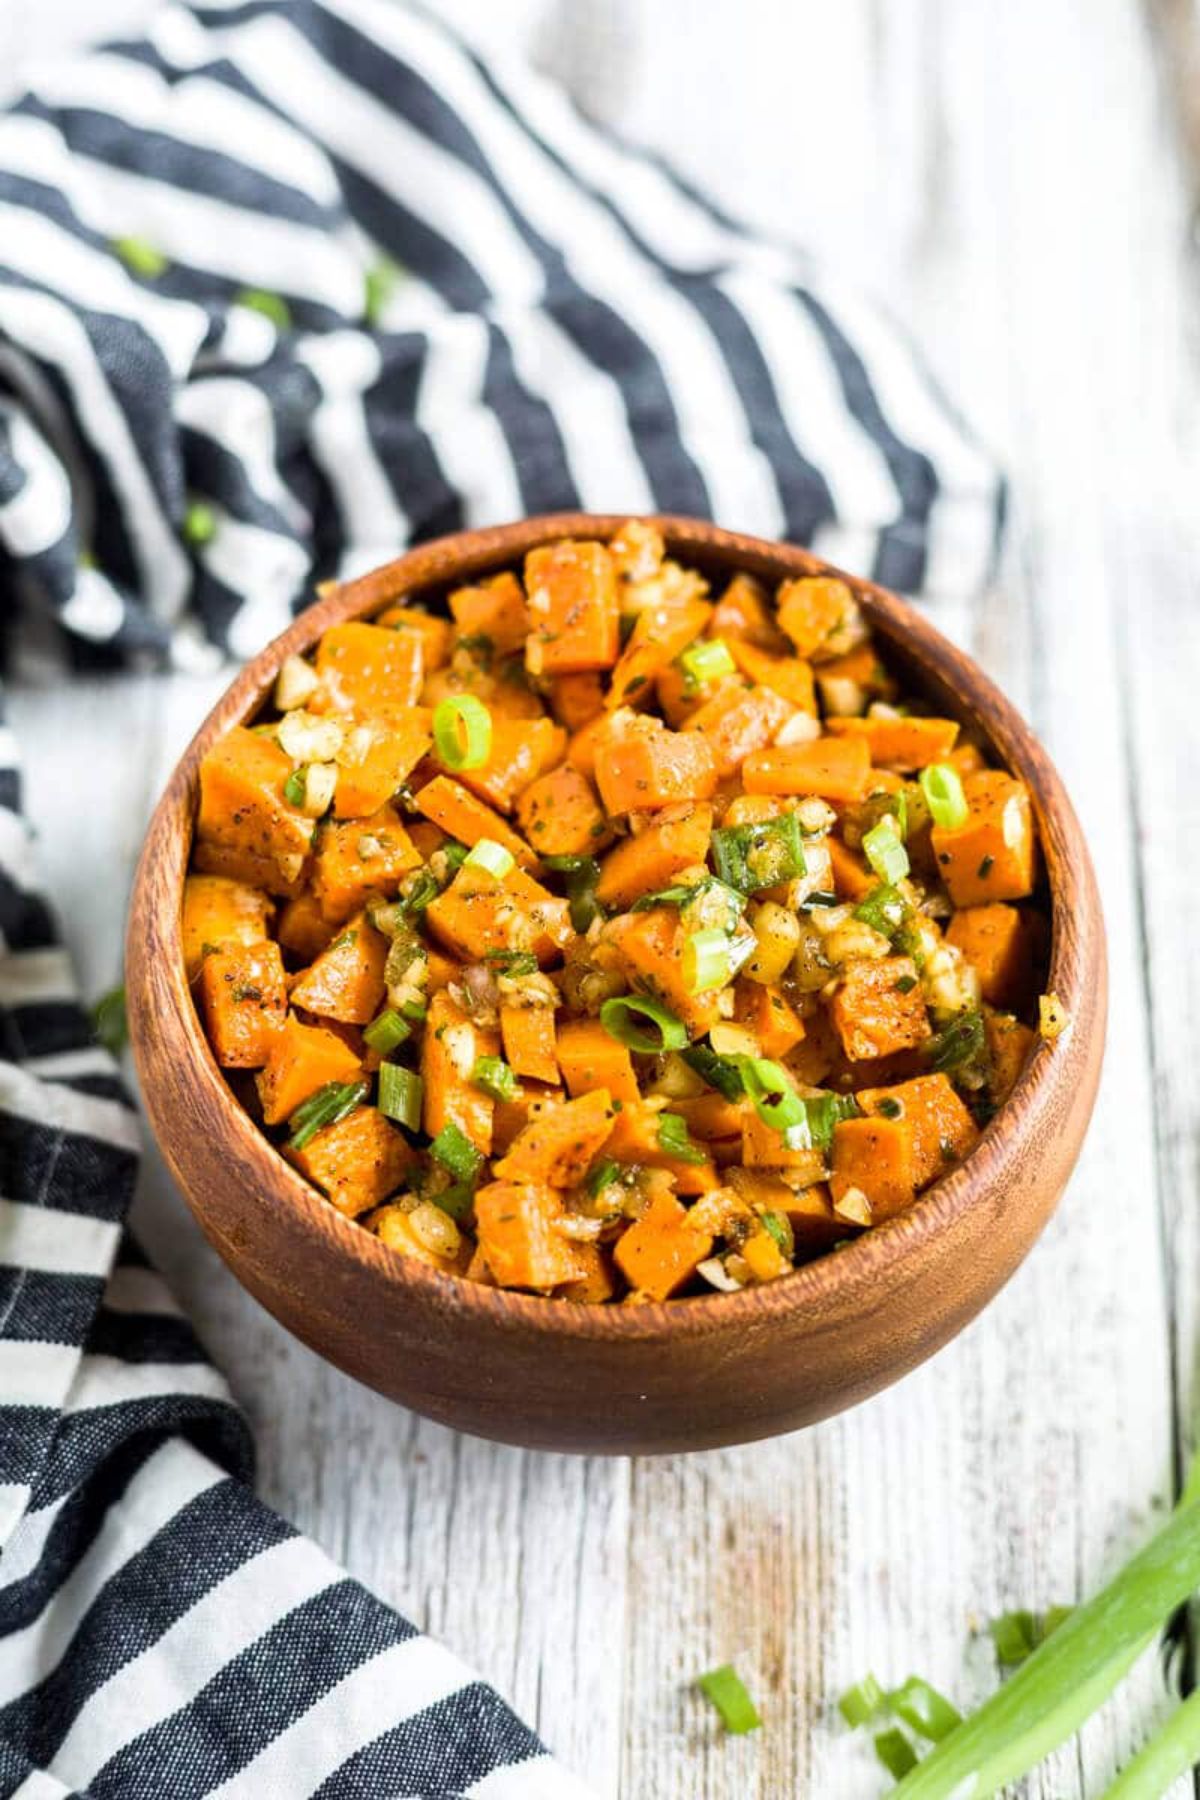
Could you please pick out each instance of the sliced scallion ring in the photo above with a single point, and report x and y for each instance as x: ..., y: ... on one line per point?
x: 489, y: 855
x: 707, y: 962
x: 462, y: 732
x: 641, y: 1023
x: 943, y: 791
x: 775, y: 1100
x: 401, y: 1092
x: 705, y: 661
x: 885, y: 852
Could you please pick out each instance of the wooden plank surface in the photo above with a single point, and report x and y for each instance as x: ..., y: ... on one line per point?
x: 1008, y: 178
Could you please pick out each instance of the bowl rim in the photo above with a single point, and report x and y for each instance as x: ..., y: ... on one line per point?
x: 158, y: 1005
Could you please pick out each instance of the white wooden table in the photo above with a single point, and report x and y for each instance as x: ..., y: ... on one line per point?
x: 1009, y: 177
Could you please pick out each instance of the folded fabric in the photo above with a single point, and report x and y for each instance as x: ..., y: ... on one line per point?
x: 283, y: 287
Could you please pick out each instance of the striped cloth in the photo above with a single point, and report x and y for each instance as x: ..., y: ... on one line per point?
x: 283, y: 287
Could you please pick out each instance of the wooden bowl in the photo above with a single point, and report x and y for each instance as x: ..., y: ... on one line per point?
x: 688, y: 1374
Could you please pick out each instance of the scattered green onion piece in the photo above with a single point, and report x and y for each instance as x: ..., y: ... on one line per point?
x: 675, y: 1139
x: 329, y: 1104
x: 109, y: 1022
x: 727, y: 1691
x: 821, y: 897
x: 455, y: 1201
x: 707, y: 962
x: 761, y: 855
x: 885, y: 852
x: 895, y: 1752
x: 271, y: 306
x: 414, y: 1010
x: 455, y: 1151
x: 641, y: 1023
x: 488, y: 854
x: 928, y: 1713
x: 582, y: 873
x: 1159, y: 1764
x: 668, y: 896
x: 775, y: 1100
x: 455, y: 855
x: 1015, y: 1636
x: 400, y: 1094
x: 720, y: 1072
x: 379, y: 284
x: 387, y: 1032
x: 778, y: 1226
x: 822, y: 1112
x: 512, y: 962
x: 199, y: 524
x: 462, y: 732
x: 707, y: 660
x: 418, y: 891
x: 861, y: 1702
x: 961, y: 1041
x: 884, y: 909
x: 943, y: 791
x: 493, y: 1075
x: 141, y: 257
x: 293, y: 788
x: 602, y: 1176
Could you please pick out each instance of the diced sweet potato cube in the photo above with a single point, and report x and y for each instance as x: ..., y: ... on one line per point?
x: 710, y: 1117
x: 879, y: 1008
x: 452, y: 1045
x: 772, y: 1019
x: 820, y: 615
x: 573, y: 609
x: 589, y: 1058
x: 577, y: 699
x: 650, y: 766
x: 245, y: 828
x: 744, y: 614
x: 635, y: 1140
x: 242, y: 996
x: 815, y: 1225
x: 852, y: 879
x: 303, y: 929
x: 436, y: 635
x: 659, y: 635
x: 662, y: 1250
x: 360, y: 857
x: 598, y: 1282
x: 462, y: 815
x: 788, y: 676
x: 479, y: 912
x: 303, y: 1058
x: 652, y: 858
x: 346, y: 980
x: 376, y: 758
x: 512, y: 1116
x: 992, y: 856
x: 521, y: 750
x: 859, y: 668
x: 876, y: 1157
x: 217, y: 912
x: 358, y: 1162
x: 737, y: 722
x: 943, y: 1131
x: 1002, y: 944
x: 901, y: 743
x: 556, y: 1147
x: 765, y: 1148
x: 560, y: 815
x: 367, y: 669
x: 527, y: 1033
x: 517, y: 1224
x: 1008, y: 1045
x: 831, y: 768
x: 650, y: 947
x: 494, y: 609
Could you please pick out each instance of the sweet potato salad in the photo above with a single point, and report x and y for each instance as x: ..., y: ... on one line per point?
x: 617, y: 936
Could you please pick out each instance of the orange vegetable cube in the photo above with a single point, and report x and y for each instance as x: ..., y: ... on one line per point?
x: 512, y: 1116
x: 303, y: 1058
x: 662, y: 1250
x: 820, y: 615
x: 598, y: 1282
x: 464, y: 816
x: 659, y: 635
x: 436, y: 635
x: 831, y: 768
x: 652, y: 858
x: 772, y: 1019
x: 739, y: 721
x: 860, y: 668
x: 902, y: 743
x: 992, y: 855
x: 521, y: 749
x: 879, y: 1008
x: 242, y: 996
x: 710, y: 1116
x: 589, y: 1058
x: 875, y: 1156
x: 744, y: 614
x: 377, y: 756
x: 809, y: 1212
x: 527, y: 1033
x: 217, y: 912
x: 346, y: 980
x: 852, y: 879
x: 635, y: 1140
x: 573, y: 609
x: 518, y: 1231
x: 360, y: 857
x: 452, y: 1045
x: 651, y: 766
x: 303, y: 929
x: 367, y: 669
x: 576, y: 700
x: 765, y: 1148
x: 494, y: 609
x: 1003, y: 945
x: 943, y: 1131
x: 557, y: 1146
x: 358, y: 1162
x: 788, y: 676
x: 967, y: 758
x: 245, y: 829
x: 559, y: 814
x: 478, y: 913
x: 650, y: 947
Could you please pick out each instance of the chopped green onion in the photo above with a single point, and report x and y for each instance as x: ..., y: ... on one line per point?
x: 1168, y: 1755
x: 861, y: 1702
x: 387, y: 1031
x: 822, y: 1112
x: 675, y: 1139
x: 1015, y: 1635
x: 414, y: 1010
x: 582, y: 873
x: 141, y: 257
x: 455, y: 1151
x: 720, y: 1072
x: 400, y: 1094
x: 778, y: 1226
x: 456, y: 1201
x: 821, y: 897
x: 490, y: 855
x: 641, y: 1023
x: 272, y: 306
x: 602, y: 1176
x: 420, y: 888
x: 775, y: 1100
x: 706, y: 661
x: 462, y: 732
x: 961, y: 1041
x: 455, y: 855
x: 293, y: 788
x: 379, y: 284
x: 512, y: 962
x: 668, y: 896
x: 199, y: 524
x: 943, y: 791
x: 707, y: 961
x: 493, y: 1075
x: 884, y: 909
x: 109, y: 1021
x: 895, y: 1752
x: 761, y: 855
x: 885, y: 852
x: 928, y: 1713
x: 727, y: 1691
x: 329, y: 1104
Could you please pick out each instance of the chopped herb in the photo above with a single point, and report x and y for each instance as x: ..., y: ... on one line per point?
x: 861, y: 1702
x: 943, y: 790
x: 512, y: 962
x: 456, y: 1200
x: 776, y: 1226
x: 581, y: 873
x: 924, y: 1710
x: 668, y: 896
x: 960, y: 1042
x: 387, y: 1032
x: 905, y: 984
x: 329, y: 1104
x: 884, y: 909
x: 720, y: 1072
x: 895, y: 1752
x: 602, y: 1176
x: 246, y: 990
x: 706, y: 661
x: 985, y: 867
x: 889, y: 1108
x: 109, y: 1021
x: 728, y: 1693
x: 293, y: 788
x: 642, y: 1023
x: 675, y: 1139
x: 761, y: 855
x: 455, y: 1151
x: 401, y: 1093
x: 493, y: 1075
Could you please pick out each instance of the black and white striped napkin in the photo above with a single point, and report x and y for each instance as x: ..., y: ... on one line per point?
x: 284, y: 286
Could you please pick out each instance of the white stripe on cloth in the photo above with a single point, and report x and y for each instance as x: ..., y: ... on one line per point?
x: 466, y: 434
x: 39, y: 513
x: 60, y: 1108
x: 35, y: 1374
x: 23, y: 1550
x: 169, y: 1674
x: 237, y: 415
x: 344, y: 365
x: 14, y: 1498
x: 170, y: 1479
x: 107, y: 1381
x: 395, y: 1685
x: 40, y: 1786
x: 55, y: 1243
x: 29, y: 976
x: 267, y: 569
x: 541, y: 1778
